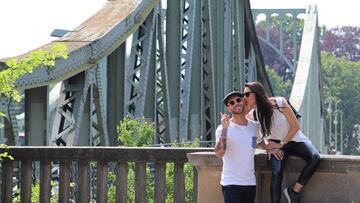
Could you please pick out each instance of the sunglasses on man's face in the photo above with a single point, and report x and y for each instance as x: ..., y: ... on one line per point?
x: 247, y: 94
x: 237, y: 100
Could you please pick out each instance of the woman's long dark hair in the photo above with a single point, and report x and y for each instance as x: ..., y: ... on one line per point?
x: 264, y: 107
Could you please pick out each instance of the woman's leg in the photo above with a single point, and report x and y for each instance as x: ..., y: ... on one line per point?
x: 276, y: 179
x: 312, y: 157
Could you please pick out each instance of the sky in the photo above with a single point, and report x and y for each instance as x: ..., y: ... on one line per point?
x: 27, y: 24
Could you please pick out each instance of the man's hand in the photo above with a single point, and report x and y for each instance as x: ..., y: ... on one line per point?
x: 278, y: 153
x: 220, y: 147
x: 225, y: 120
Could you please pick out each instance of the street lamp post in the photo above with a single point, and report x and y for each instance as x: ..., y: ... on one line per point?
x: 335, y: 124
x: 333, y: 139
x: 341, y: 132
x: 329, y: 110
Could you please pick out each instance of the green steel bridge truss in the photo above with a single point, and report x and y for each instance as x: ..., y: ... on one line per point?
x: 169, y: 63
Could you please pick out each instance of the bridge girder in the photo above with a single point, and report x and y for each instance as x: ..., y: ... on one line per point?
x: 181, y: 62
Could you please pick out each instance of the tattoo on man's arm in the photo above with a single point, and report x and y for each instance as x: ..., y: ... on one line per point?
x: 224, y: 136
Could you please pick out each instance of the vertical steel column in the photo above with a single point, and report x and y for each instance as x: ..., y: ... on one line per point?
x: 218, y: 42
x: 81, y: 111
x: 83, y: 134
x: 36, y: 116
x: 228, y: 48
x: 115, y: 91
x: 196, y: 77
x: 150, y: 85
x: 94, y: 120
x: 239, y: 44
x: 214, y: 53
x: 187, y: 12
x: 162, y: 94
x: 173, y: 47
x: 98, y: 104
x: 208, y: 100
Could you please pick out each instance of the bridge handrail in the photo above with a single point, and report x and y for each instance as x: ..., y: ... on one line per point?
x: 102, y: 156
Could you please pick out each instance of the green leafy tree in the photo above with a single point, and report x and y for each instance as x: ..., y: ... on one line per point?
x: 135, y: 133
x: 342, y: 86
x: 19, y: 67
x: 279, y: 86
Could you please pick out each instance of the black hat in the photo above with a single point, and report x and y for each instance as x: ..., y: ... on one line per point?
x: 233, y: 93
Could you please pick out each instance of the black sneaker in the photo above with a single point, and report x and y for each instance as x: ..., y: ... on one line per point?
x: 291, y: 196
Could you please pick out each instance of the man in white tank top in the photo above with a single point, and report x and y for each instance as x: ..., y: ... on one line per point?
x: 236, y: 139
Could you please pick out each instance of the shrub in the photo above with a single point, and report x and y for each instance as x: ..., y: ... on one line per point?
x: 136, y: 133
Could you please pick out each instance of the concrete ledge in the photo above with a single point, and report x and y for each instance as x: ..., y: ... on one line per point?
x: 336, y: 179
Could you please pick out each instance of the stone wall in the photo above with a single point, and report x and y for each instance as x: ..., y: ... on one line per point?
x: 336, y: 180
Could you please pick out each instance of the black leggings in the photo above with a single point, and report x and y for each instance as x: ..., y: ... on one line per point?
x: 301, y: 149
x: 239, y: 193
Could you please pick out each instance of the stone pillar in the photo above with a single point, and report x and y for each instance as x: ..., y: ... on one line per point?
x: 209, y: 174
